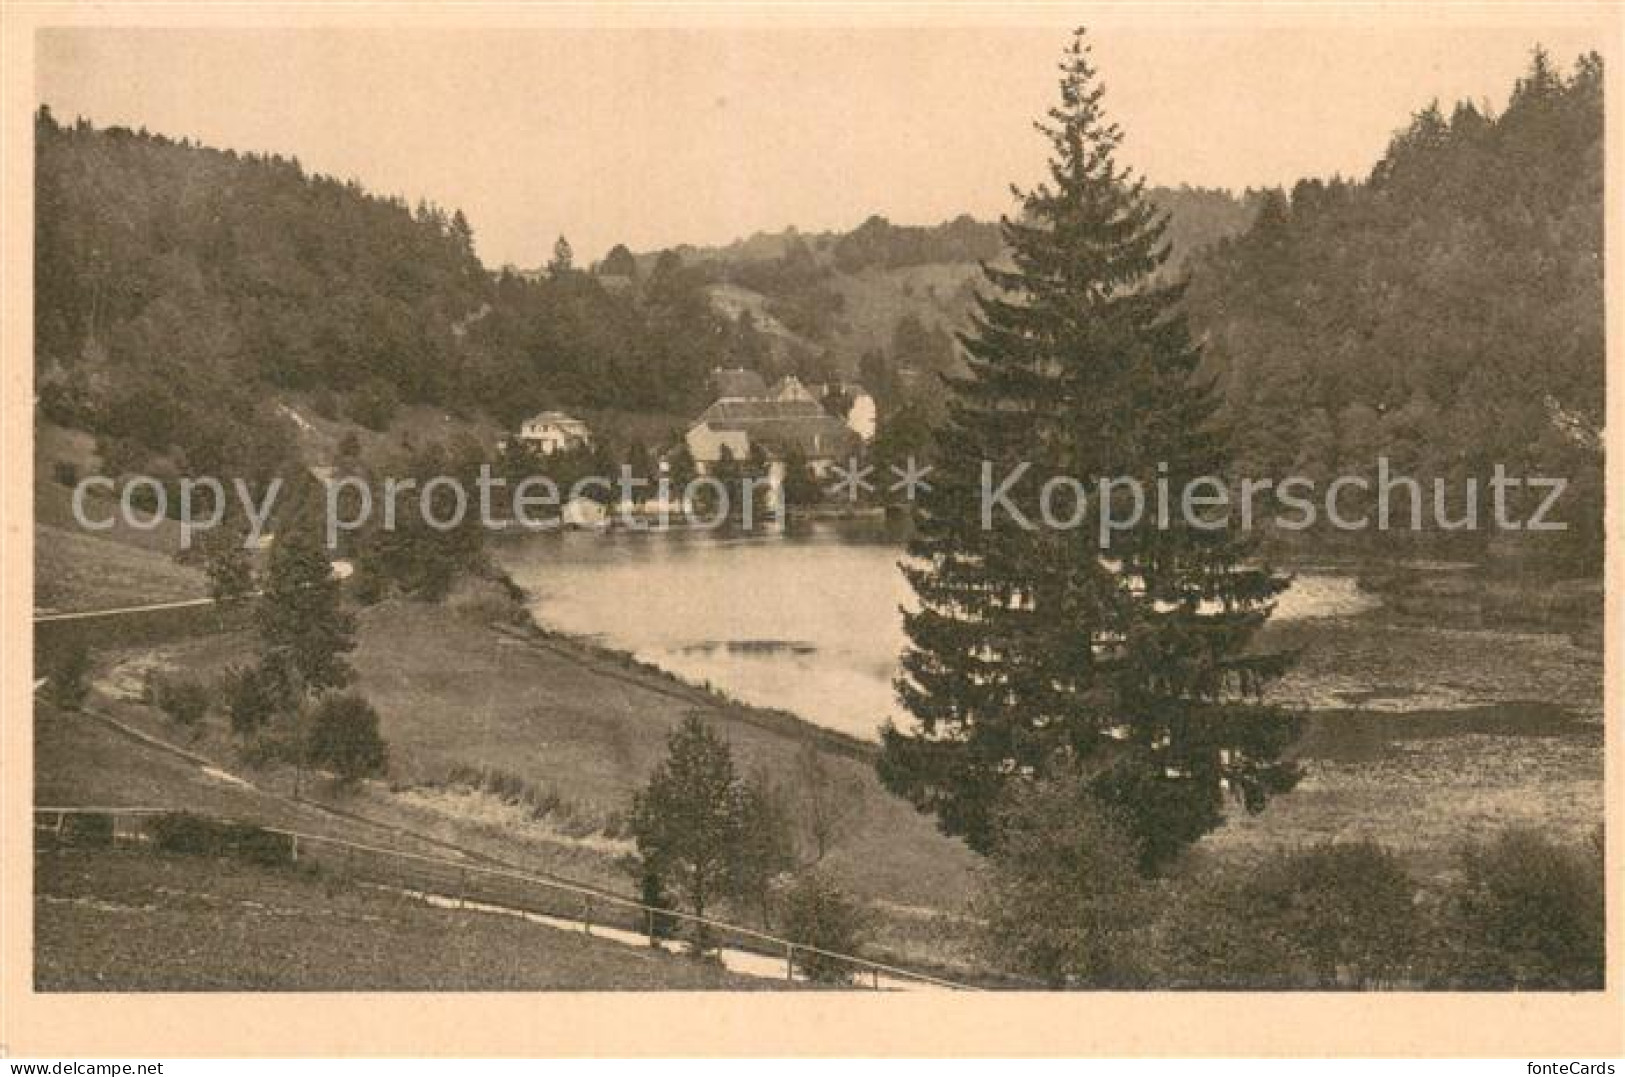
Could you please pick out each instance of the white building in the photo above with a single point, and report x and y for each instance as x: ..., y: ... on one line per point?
x: 550, y: 432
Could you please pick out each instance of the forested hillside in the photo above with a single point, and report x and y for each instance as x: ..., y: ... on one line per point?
x: 1446, y: 312
x: 183, y: 290
x: 176, y: 284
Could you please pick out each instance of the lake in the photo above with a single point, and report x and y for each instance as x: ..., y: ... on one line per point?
x: 809, y: 622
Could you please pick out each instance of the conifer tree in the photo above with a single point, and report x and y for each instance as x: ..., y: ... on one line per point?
x: 1030, y: 641
x: 305, y: 628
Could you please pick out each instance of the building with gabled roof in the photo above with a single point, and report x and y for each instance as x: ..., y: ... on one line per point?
x: 780, y: 428
x: 549, y: 432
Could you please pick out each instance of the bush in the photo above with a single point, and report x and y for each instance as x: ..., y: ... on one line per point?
x: 88, y: 830
x: 374, y: 405
x: 1528, y: 912
x: 65, y: 473
x: 185, y: 701
x: 1348, y: 909
x: 506, y: 786
x: 652, y: 892
x: 195, y: 835
x: 818, y: 913
x: 1333, y: 915
x: 344, y: 737
x: 1063, y: 900
x: 66, y: 670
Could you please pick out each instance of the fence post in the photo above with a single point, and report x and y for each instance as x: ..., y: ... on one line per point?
x: 586, y: 915
x: 789, y: 961
x: 877, y: 978
x: 293, y: 848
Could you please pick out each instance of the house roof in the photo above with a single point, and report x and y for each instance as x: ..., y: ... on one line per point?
x: 754, y: 411
x: 789, y: 387
x: 814, y: 436
x: 736, y: 383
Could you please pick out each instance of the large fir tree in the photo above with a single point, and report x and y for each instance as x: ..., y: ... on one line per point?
x: 1029, y: 641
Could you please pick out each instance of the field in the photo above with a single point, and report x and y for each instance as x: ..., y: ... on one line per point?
x: 123, y: 920
x: 580, y: 729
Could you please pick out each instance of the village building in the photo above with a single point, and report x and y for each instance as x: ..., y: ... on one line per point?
x: 552, y: 432
x: 782, y: 429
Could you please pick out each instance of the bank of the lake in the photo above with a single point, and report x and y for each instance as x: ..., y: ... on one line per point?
x: 1462, y: 723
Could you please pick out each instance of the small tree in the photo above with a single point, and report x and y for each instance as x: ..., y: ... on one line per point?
x: 800, y: 487
x: 823, y: 807
x: 228, y: 565
x: 1528, y: 912
x: 1063, y: 900
x: 303, y: 622
x: 818, y: 913
x: 765, y: 847
x: 184, y: 700
x: 67, y: 668
x: 254, y: 695
x: 689, y: 820
x: 344, y: 737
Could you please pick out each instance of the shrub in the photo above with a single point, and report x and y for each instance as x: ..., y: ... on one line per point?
x: 1527, y: 912
x: 652, y: 892
x: 66, y: 670
x: 508, y: 787
x: 65, y: 473
x: 818, y: 913
x: 253, y: 695
x: 1332, y: 915
x: 374, y: 405
x: 185, y: 701
x: 1206, y: 937
x: 88, y: 829
x: 1063, y: 899
x: 1348, y: 908
x: 195, y: 835
x: 344, y: 737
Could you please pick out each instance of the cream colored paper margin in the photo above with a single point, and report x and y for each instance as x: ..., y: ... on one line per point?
x: 1575, y: 1026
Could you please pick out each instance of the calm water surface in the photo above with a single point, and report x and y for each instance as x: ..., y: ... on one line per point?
x: 808, y: 622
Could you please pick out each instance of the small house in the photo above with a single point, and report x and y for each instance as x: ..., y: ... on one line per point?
x: 552, y: 432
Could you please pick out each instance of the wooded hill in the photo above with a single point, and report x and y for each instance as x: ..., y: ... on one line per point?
x: 1445, y: 311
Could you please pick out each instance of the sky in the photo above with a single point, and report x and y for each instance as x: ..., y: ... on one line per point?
x: 703, y: 134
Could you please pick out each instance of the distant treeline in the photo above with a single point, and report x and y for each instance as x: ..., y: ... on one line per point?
x: 1199, y: 217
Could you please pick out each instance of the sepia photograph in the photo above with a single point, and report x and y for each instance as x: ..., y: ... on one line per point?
x: 710, y: 501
